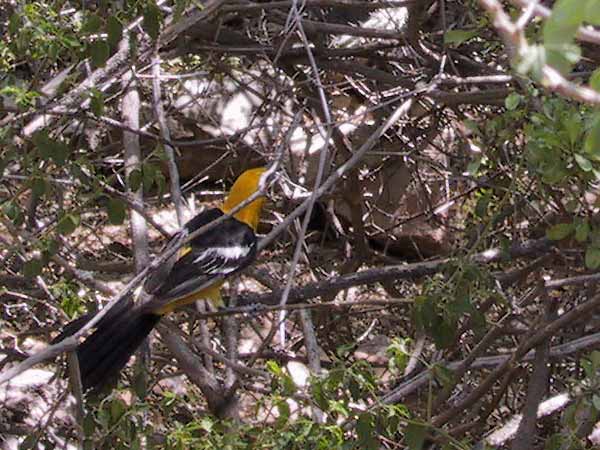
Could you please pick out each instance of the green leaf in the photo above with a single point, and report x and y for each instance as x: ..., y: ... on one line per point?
x: 483, y: 204
x: 594, y: 357
x: 414, y: 436
x: 532, y: 61
x: 61, y: 153
x: 180, y: 6
x: 71, y: 305
x: 148, y: 173
x: 161, y: 152
x: 512, y: 101
x: 354, y: 389
x: 135, y: 179
x: 207, y: 424
x: 592, y: 140
x: 50, y: 148
x: 461, y: 304
x: 32, y: 268
x: 457, y: 37
x: 588, y: 368
x: 554, y: 442
x: 92, y: 24
x: 319, y: 396
x: 283, y: 410
x: 116, y: 211
x: 13, y: 212
x: 365, y: 431
x: 42, y: 141
x: 559, y: 231
x: 14, y: 23
x: 39, y: 186
x: 338, y: 407
x: 554, y: 172
x: 473, y: 167
x: 592, y: 258
x: 574, y: 126
x: 596, y: 401
x: 274, y: 368
x: 571, y: 206
x: 559, y: 34
x: 443, y: 375
x: 161, y: 183
x: 444, y: 333
x: 96, y: 102
x: 133, y: 44
x: 423, y: 312
x: 152, y: 20
x: 89, y: 425
x: 99, y: 52
x: 595, y: 80
x: 472, y: 125
x: 151, y: 175
x: 562, y: 56
x: 114, y: 29
x: 582, y: 231
x: 103, y: 417
x: 567, y: 13
x: 52, y: 247
x: 29, y: 442
x: 584, y: 163
x: 68, y: 223
x: 570, y: 416
x: 117, y: 409
x: 592, y: 12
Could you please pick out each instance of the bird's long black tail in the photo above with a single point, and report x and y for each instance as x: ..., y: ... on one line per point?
x: 117, y: 335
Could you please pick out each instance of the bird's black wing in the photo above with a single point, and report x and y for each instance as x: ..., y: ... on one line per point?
x: 221, y: 251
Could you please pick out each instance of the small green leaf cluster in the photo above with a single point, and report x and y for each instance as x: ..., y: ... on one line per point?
x: 559, y: 48
x: 149, y: 177
x: 114, y: 424
x: 204, y: 434
x: 449, y: 297
x: 458, y: 37
x: 562, y: 144
x: 585, y: 404
x: 584, y: 232
x: 399, y: 353
x: 342, y: 386
x: 103, y: 35
x: 7, y: 57
x: 495, y: 147
x: 50, y: 149
x: 38, y: 32
x: 343, y: 394
x: 563, y: 151
x: 21, y: 96
x: 71, y: 301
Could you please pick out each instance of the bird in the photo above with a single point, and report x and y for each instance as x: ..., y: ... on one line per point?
x: 196, y: 272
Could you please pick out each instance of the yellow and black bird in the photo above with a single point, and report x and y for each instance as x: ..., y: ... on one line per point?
x: 220, y: 252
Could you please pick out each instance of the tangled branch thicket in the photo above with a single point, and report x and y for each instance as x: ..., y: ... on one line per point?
x: 428, y: 276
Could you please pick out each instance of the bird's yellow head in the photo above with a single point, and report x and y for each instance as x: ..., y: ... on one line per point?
x: 244, y: 187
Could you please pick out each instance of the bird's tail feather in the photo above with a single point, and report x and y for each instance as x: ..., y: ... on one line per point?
x: 106, y: 351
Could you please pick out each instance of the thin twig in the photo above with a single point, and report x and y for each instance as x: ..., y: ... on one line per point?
x: 537, y: 387
x: 166, y: 134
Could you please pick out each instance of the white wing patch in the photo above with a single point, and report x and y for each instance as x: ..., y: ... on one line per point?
x: 227, y: 253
